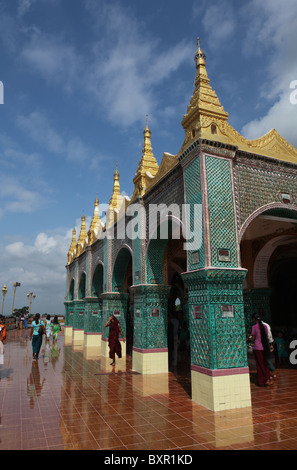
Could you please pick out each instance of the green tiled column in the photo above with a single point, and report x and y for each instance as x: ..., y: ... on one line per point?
x: 219, y: 371
x: 68, y: 324
x: 150, y: 348
x: 216, y: 318
x: 78, y: 323
x: 220, y: 376
x: 93, y: 324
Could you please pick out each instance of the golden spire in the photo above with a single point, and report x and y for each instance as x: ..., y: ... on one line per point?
x: 205, y: 114
x: 116, y: 194
x: 94, y: 227
x: 147, y: 167
x: 72, y: 249
x: 83, y: 236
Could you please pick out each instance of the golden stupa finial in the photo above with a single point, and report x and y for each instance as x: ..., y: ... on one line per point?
x: 72, y: 249
x: 116, y: 193
x: 83, y: 236
x: 95, y: 224
x: 147, y: 167
x: 205, y: 113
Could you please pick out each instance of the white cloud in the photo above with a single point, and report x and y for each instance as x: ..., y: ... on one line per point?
x: 44, y: 243
x: 126, y: 78
x: 17, y: 198
x: 25, y: 5
x: 39, y: 128
x: 39, y: 267
x: 56, y: 60
x: 122, y: 71
x: 282, y: 116
x: 274, y: 30
x: 218, y: 20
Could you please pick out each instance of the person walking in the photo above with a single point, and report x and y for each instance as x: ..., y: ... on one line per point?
x: 113, y: 338
x: 2, y: 338
x: 56, y: 328
x: 48, y: 327
x: 261, y: 349
x: 271, y: 349
x: 37, y: 332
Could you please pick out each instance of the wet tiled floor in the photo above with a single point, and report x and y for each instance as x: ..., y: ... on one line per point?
x: 69, y: 400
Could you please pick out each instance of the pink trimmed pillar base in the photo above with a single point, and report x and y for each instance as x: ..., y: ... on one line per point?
x: 150, y: 361
x: 222, y: 389
x: 68, y: 332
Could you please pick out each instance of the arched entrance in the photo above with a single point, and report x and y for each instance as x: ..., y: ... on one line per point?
x: 269, y: 251
x: 175, y: 261
x: 71, y: 291
x: 97, y: 281
x: 282, y: 275
x: 82, y: 287
x: 121, y: 283
x: 166, y: 261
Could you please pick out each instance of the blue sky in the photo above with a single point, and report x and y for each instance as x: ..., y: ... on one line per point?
x: 79, y: 78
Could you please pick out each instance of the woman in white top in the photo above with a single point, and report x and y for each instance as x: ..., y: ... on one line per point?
x: 48, y: 327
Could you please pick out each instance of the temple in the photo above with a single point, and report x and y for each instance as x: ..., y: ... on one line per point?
x: 229, y: 251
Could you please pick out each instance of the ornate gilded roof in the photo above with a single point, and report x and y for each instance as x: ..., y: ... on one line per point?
x: 207, y: 119
x: 72, y: 249
x: 96, y: 224
x: 83, y: 237
x: 116, y: 193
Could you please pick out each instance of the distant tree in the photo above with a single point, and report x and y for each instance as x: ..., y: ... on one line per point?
x: 20, y: 311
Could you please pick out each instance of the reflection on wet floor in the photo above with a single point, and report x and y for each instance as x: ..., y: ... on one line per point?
x: 71, y: 399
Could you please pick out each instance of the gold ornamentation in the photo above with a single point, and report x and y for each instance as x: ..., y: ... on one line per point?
x: 83, y: 237
x: 207, y: 119
x: 72, y: 249
x: 95, y: 229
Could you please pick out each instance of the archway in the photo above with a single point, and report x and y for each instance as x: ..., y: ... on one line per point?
x: 71, y: 291
x: 269, y: 252
x: 82, y: 287
x: 121, y: 283
x: 166, y: 261
x: 97, y: 281
x: 282, y: 275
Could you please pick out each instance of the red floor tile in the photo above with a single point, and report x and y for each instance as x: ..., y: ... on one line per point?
x: 66, y: 401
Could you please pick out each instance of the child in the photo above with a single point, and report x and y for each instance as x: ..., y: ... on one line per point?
x: 281, y: 348
x: 56, y: 328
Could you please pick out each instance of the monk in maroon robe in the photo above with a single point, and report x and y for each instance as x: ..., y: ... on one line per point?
x: 113, y: 338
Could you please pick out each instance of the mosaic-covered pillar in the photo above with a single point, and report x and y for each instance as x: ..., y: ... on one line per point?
x: 68, y: 324
x: 93, y: 324
x: 150, y: 347
x: 219, y: 370
x: 78, y: 323
x: 113, y: 303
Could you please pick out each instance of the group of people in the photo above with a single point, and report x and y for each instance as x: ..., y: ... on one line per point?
x: 22, y: 321
x: 39, y: 328
x: 263, y: 346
